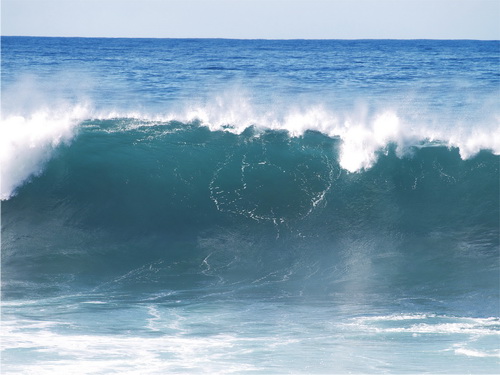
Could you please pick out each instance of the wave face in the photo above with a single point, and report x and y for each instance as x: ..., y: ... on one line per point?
x: 228, y: 206
x: 260, y: 205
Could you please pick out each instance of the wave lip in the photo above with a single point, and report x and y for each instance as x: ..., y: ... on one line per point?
x: 27, y: 142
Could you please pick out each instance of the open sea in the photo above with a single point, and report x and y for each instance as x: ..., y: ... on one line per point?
x: 211, y: 206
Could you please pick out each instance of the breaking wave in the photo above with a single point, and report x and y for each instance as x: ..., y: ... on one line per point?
x: 28, y: 140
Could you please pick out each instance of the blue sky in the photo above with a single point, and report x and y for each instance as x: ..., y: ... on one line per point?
x: 268, y: 19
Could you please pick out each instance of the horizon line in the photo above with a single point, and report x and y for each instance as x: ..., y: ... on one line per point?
x: 229, y: 38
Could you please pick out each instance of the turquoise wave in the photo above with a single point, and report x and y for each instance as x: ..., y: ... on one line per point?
x: 185, y: 208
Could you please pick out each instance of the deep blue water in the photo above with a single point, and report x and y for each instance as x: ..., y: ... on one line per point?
x: 250, y: 206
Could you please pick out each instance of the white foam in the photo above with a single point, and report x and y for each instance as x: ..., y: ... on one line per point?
x: 395, y: 317
x: 477, y: 353
x: 428, y: 324
x: 27, y: 142
x: 130, y: 354
x: 363, y: 135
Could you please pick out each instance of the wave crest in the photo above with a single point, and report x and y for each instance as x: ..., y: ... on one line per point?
x: 28, y: 140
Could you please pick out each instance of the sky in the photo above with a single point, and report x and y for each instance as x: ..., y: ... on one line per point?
x: 254, y: 19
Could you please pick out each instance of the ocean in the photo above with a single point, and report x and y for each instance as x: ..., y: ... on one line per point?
x: 212, y: 206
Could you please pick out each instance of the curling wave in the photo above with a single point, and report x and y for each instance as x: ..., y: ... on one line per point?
x: 28, y: 141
